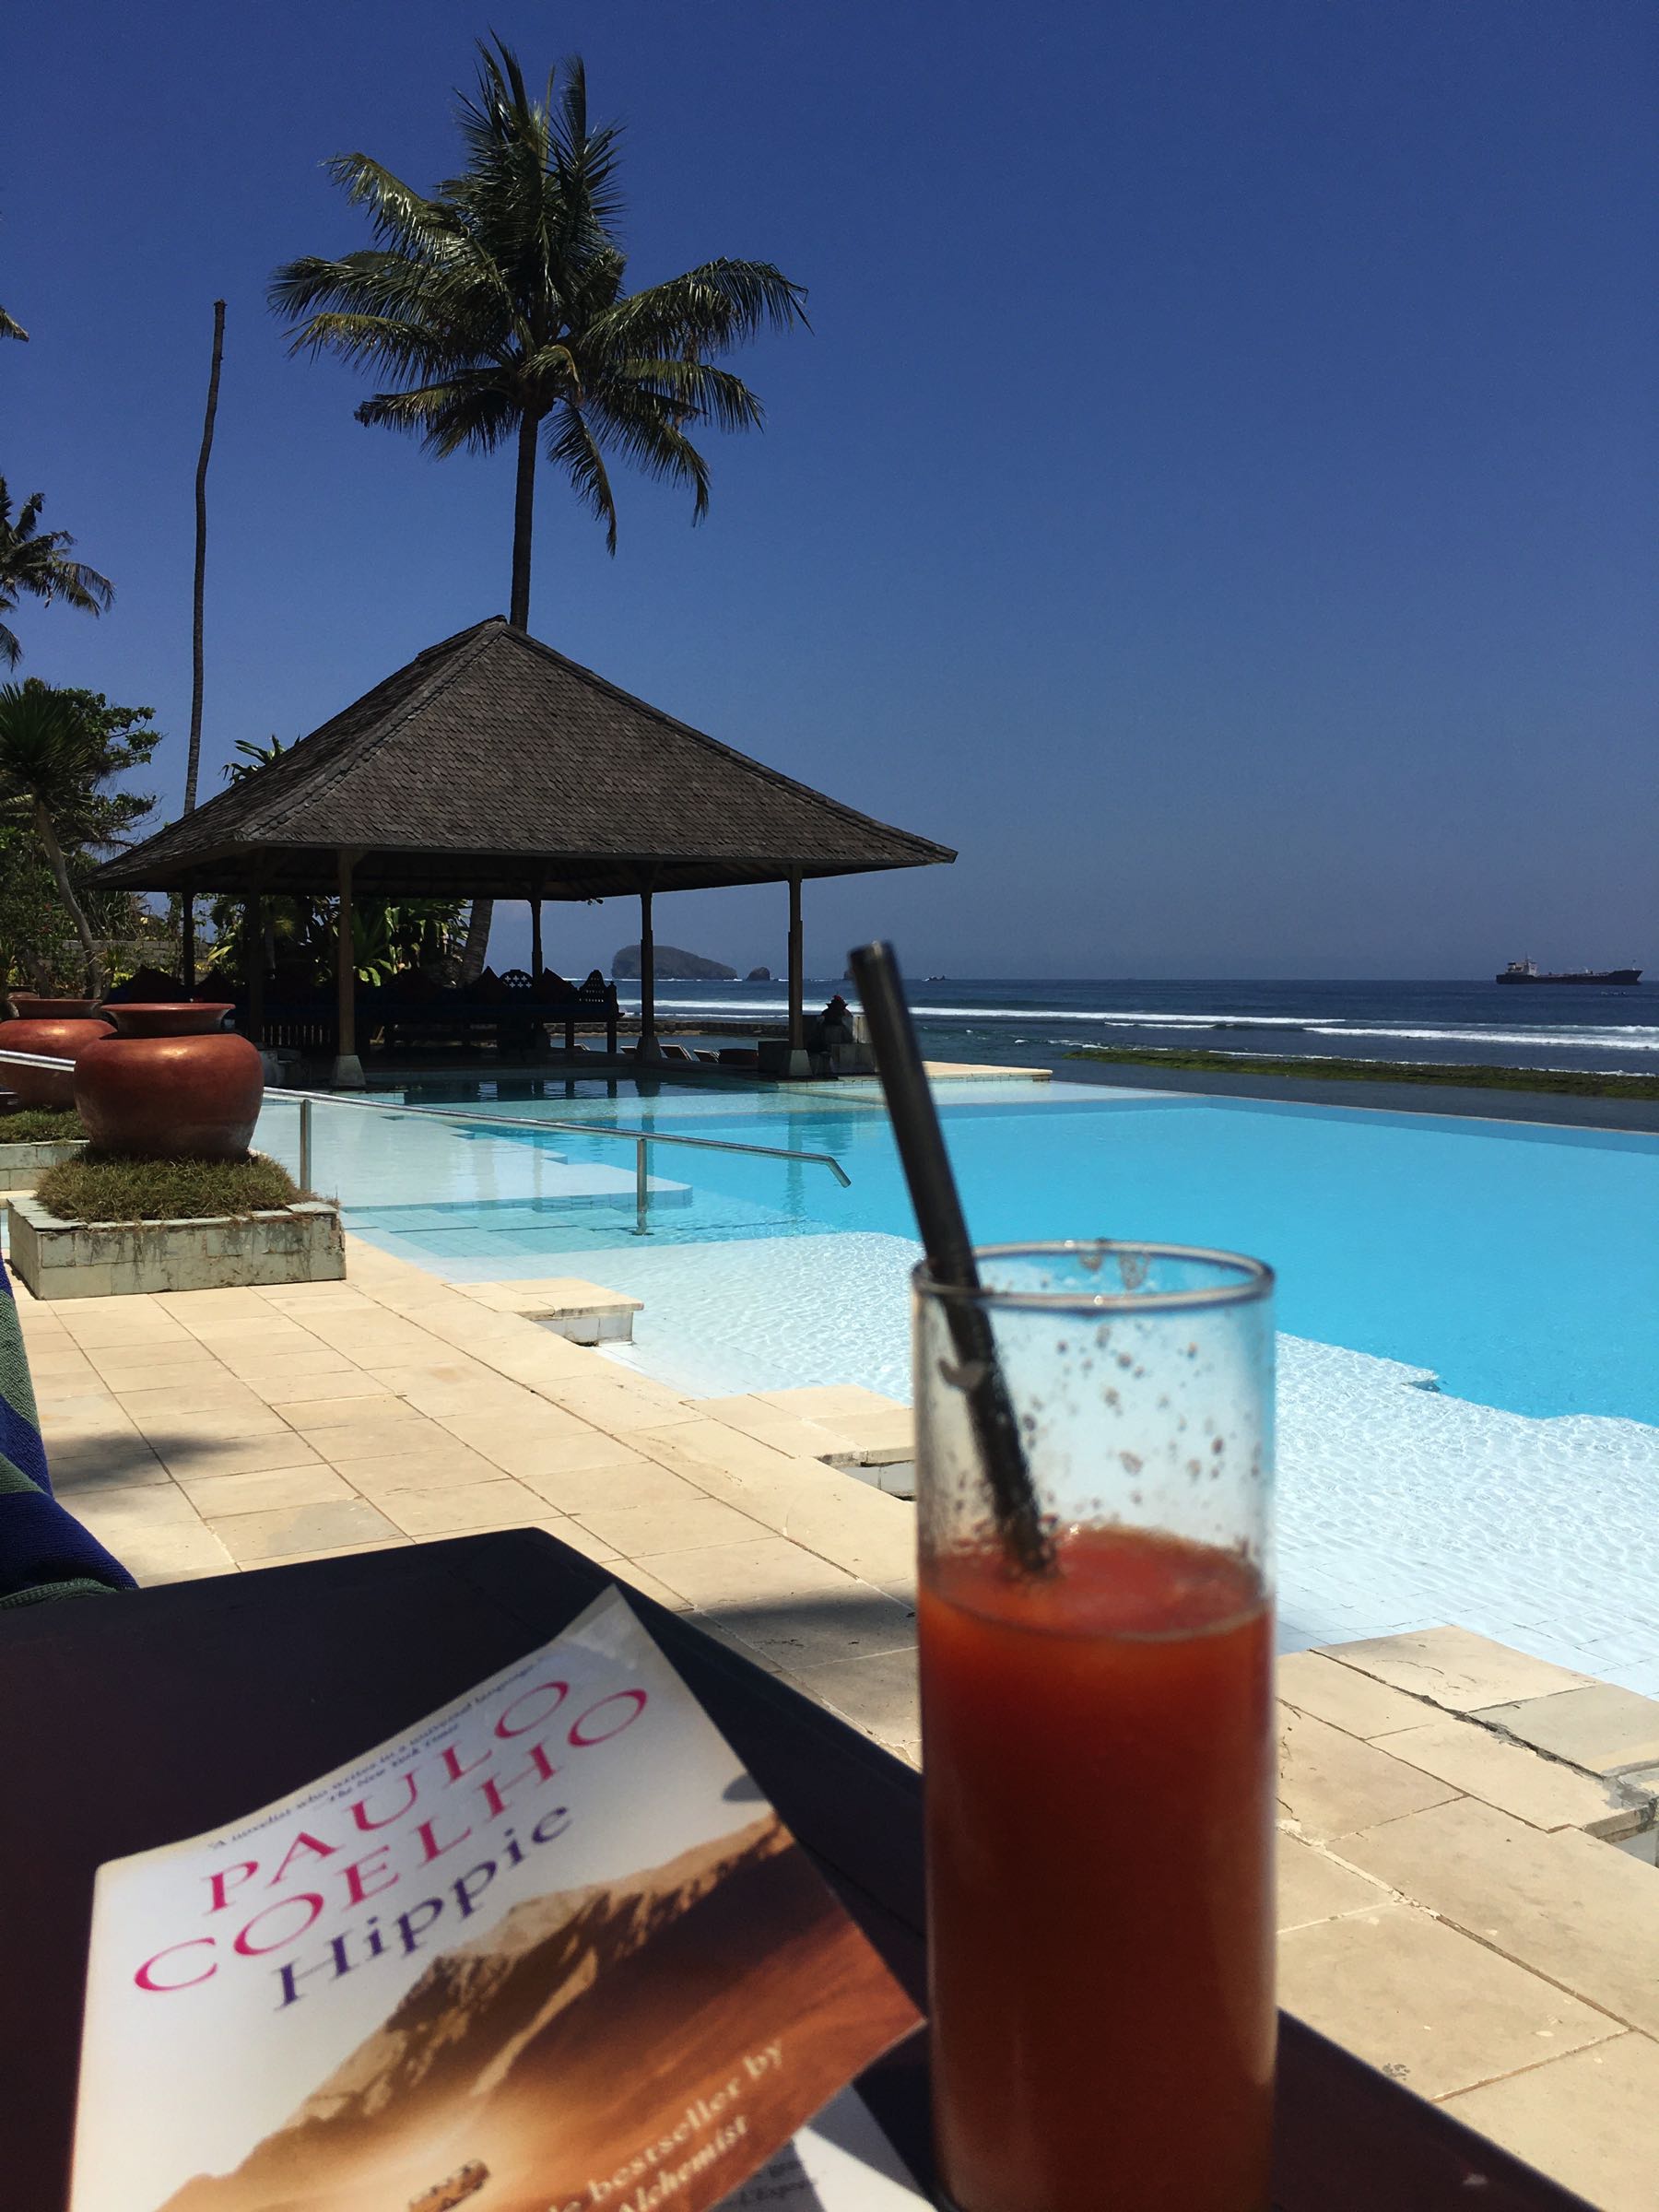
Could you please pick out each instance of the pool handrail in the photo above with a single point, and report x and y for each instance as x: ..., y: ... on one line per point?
x: 640, y: 1138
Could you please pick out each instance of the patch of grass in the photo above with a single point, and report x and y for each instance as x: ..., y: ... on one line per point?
x: 102, y: 1188
x: 1561, y: 1081
x: 40, y: 1126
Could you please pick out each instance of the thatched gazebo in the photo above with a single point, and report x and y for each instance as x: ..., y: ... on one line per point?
x: 492, y: 767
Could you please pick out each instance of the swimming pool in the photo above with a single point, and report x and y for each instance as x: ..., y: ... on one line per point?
x: 1468, y: 1395
x: 1519, y: 1263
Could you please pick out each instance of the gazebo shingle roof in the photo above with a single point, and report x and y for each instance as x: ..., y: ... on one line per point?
x: 492, y: 765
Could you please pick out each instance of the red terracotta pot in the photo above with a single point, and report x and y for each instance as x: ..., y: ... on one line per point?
x: 171, y: 1086
x: 29, y: 1008
x: 64, y: 1035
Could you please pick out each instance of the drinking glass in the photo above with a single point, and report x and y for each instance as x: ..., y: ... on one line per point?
x: 1097, y: 1741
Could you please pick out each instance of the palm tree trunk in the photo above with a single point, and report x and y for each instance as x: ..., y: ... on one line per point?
x: 193, y: 760
x: 523, y: 512
x: 60, y: 876
x: 477, y: 939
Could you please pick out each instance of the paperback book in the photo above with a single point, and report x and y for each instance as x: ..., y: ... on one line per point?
x: 549, y: 1950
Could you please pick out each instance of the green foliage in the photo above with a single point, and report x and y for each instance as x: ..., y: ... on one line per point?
x: 495, y: 309
x: 101, y: 1188
x: 65, y: 746
x: 36, y: 562
x: 38, y: 1124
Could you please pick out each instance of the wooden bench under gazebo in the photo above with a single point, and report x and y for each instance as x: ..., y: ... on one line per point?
x: 491, y: 767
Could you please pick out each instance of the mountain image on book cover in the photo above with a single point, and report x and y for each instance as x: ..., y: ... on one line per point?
x: 511, y: 2071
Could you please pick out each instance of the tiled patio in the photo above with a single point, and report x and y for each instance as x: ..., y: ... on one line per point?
x: 1466, y: 1892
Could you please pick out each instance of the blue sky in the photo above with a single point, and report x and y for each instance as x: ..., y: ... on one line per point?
x: 1218, y: 495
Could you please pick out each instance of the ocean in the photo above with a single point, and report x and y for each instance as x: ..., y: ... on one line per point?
x: 1017, y: 1022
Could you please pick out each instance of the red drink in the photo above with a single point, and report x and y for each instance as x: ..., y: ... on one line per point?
x: 1099, y: 1765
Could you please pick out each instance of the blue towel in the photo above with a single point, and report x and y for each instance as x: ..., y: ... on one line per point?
x: 44, y: 1551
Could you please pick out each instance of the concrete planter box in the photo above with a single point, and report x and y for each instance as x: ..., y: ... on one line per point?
x: 21, y: 1166
x: 299, y: 1243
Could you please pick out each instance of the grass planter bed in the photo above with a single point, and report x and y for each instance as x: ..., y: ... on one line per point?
x: 33, y: 1139
x: 63, y: 1254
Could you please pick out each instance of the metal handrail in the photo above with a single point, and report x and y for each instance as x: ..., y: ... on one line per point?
x: 639, y: 1139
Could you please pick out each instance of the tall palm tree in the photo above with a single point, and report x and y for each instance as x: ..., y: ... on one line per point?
x: 37, y: 561
x: 49, y: 758
x: 495, y: 312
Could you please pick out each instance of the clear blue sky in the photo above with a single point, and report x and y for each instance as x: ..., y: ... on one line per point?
x: 1217, y: 497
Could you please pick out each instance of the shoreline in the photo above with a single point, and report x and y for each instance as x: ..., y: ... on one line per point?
x: 1466, y: 1093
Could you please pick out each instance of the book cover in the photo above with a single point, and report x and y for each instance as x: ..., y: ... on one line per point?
x: 549, y: 1950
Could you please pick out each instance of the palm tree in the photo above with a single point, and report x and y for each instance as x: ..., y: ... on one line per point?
x: 49, y: 758
x: 495, y: 312
x: 10, y: 329
x: 37, y: 561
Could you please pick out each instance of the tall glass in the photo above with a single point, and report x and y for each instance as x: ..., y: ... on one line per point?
x: 1097, y: 1741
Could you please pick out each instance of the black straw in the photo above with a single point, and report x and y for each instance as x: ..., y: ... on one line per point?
x: 950, y: 1259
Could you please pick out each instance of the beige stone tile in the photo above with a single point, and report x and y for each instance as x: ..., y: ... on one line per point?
x: 1563, y: 1905
x: 633, y: 1577
x: 1432, y: 2008
x: 541, y: 1365
x: 1331, y: 1784
x: 620, y: 1412
x: 1541, y: 1791
x: 1600, y: 1727
x: 220, y: 1394
x: 160, y: 1373
x: 885, y: 1436
x: 492, y: 1397
x: 183, y: 1553
x: 312, y: 1385
x: 299, y: 1559
x: 582, y: 1540
x: 117, y: 1513
x: 762, y: 1571
x: 731, y: 1451
x: 818, y: 1627
x: 826, y: 1401
x: 1455, y: 1667
x: 266, y: 1329
x: 216, y: 1497
x: 229, y: 1304
x: 376, y: 1340
x: 254, y: 1362
x: 636, y: 1484
x: 1585, y: 2120
x: 212, y: 1425
x: 49, y: 1364
x: 86, y: 1409
x: 847, y: 1521
x: 111, y: 1462
x: 105, y: 1321
x: 193, y: 1457
x: 374, y: 1409
x: 1313, y: 1885
x: 683, y: 1524
x: 545, y: 1442
x: 423, y: 1469
x: 498, y: 1505
x: 875, y: 1693
x: 338, y: 1525
x: 1357, y: 1704
x: 328, y: 1297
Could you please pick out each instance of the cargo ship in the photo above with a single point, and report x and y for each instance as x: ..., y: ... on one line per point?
x: 1528, y: 972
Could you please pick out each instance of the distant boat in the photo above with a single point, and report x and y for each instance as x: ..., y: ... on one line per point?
x: 1528, y: 972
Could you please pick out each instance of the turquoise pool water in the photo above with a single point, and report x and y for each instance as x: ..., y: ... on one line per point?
x: 1519, y: 1264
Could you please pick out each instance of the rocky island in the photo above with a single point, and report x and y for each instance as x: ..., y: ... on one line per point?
x: 672, y: 966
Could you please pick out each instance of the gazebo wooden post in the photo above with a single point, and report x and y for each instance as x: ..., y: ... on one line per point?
x: 253, y: 938
x: 646, y: 1048
x: 799, y: 1064
x: 535, y: 937
x: 348, y: 1068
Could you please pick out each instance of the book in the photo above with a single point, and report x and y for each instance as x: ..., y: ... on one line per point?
x: 547, y: 1950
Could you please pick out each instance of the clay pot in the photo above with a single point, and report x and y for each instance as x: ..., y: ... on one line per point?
x: 59, y: 1028
x: 170, y: 1085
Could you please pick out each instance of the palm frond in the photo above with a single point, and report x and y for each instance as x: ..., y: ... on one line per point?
x: 638, y: 425
x: 472, y: 409
x: 693, y: 391
x: 11, y: 650
x: 717, y: 305
x: 572, y: 447
x: 403, y: 218
x: 10, y: 328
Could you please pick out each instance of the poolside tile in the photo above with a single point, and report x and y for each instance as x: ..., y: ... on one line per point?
x: 210, y: 1424
x: 184, y: 1553
x: 216, y: 1496
x: 257, y: 1363
x: 1585, y: 2120
x: 632, y: 1576
x: 123, y: 1511
x: 1350, y: 1700
x: 1431, y: 2008
x: 547, y: 1442
x: 620, y: 1411
x: 377, y: 1409
x: 877, y: 1693
x: 674, y: 1524
x: 759, y: 1570
x: 826, y: 1401
x: 337, y: 1524
x: 299, y: 1559
x: 1541, y: 1791
x: 501, y: 1503
x: 1599, y: 1727
x: 266, y: 1329
x: 421, y: 1465
x: 210, y: 1391
x: 1331, y: 1784
x: 1455, y: 1667
x: 1564, y: 1904
x: 818, y: 1627
x: 209, y: 1305
x: 301, y: 1382
x: 191, y: 1456
x: 629, y: 1483
x: 1313, y: 1885
x: 585, y: 1541
x: 110, y: 1462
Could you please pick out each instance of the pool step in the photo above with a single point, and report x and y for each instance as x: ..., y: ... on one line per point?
x: 584, y: 1311
x: 841, y: 1424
